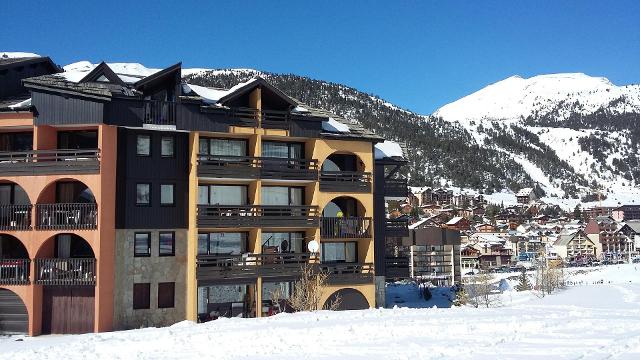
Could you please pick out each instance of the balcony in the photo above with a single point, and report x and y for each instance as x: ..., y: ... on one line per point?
x: 72, y: 271
x: 345, y: 227
x: 345, y: 181
x: 396, y: 228
x: 246, y: 167
x: 159, y: 113
x: 348, y: 273
x: 67, y: 216
x: 14, y: 271
x: 223, y: 216
x: 15, y: 217
x: 272, y: 119
x: 396, y: 267
x: 396, y: 188
x: 49, y: 162
x: 215, y: 267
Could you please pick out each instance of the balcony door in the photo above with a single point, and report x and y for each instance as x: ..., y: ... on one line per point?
x: 228, y: 195
x: 339, y: 252
x: 16, y: 141
x: 274, y: 151
x: 282, y: 195
x: 78, y: 140
x: 224, y: 149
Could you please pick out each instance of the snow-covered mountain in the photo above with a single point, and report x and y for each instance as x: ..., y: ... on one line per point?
x: 587, y: 122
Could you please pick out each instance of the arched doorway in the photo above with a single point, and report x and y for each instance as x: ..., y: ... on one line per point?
x: 66, y: 204
x: 15, y: 207
x: 66, y: 267
x: 14, y: 318
x: 347, y: 299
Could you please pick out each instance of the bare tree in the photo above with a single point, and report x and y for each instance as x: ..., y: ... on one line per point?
x: 549, y: 276
x: 480, y: 290
x: 309, y: 290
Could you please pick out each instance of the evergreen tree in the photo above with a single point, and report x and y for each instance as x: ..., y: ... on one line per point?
x: 524, y: 283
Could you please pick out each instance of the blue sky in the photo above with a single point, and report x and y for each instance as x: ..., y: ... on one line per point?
x: 417, y: 54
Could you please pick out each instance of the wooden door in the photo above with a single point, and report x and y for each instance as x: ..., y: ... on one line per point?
x: 68, y: 309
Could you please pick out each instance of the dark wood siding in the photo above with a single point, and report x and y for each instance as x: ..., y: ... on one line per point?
x: 189, y: 117
x: 11, y: 77
x: 68, y: 309
x: 124, y: 112
x: 155, y: 170
x: 55, y: 109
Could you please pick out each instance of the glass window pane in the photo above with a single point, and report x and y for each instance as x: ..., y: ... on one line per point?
x: 143, y: 145
x: 228, y: 195
x: 203, y: 195
x: 203, y: 147
x: 275, y: 149
x: 143, y: 195
x: 296, y: 196
x: 142, y: 244
x: 203, y: 244
x: 227, y: 243
x: 275, y: 195
x: 282, y: 242
x: 228, y: 147
x: 166, y: 194
x: 296, y: 151
x: 350, y: 252
x: 167, y: 243
x: 167, y: 146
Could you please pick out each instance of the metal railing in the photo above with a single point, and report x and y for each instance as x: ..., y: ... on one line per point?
x: 257, y: 215
x: 49, y: 161
x: 15, y: 217
x: 396, y: 228
x: 72, y: 271
x: 14, y: 271
x: 345, y: 227
x: 61, y: 216
x: 348, y: 181
x: 159, y: 112
x: 228, y: 166
x: 348, y: 273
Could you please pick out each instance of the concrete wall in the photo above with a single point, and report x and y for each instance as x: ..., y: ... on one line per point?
x: 153, y: 269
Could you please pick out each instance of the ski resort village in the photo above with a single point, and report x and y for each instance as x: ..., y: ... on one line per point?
x: 152, y: 209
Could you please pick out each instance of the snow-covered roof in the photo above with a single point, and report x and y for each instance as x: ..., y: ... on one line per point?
x: 388, y: 149
x: 524, y: 192
x: 455, y: 220
x: 332, y: 125
x: 16, y: 55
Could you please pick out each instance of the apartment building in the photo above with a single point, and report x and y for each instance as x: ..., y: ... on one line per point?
x: 134, y: 200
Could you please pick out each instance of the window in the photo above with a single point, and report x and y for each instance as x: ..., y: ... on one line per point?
x: 282, y: 242
x: 167, y: 243
x: 142, y: 244
x: 222, y: 243
x: 143, y: 194
x: 339, y: 252
x: 141, y: 294
x: 167, y: 195
x: 166, y: 295
x: 282, y: 195
x: 143, y: 145
x: 222, y: 195
x: 167, y: 148
x: 282, y: 150
x: 221, y: 147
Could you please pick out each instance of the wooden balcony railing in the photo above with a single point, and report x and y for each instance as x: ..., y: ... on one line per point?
x: 396, y: 188
x: 60, y: 161
x: 247, y: 167
x: 257, y: 215
x: 396, y: 228
x: 348, y: 273
x: 14, y: 271
x: 345, y: 227
x: 161, y: 113
x: 251, y: 265
x: 63, y: 216
x: 345, y: 181
x: 396, y: 267
x: 272, y: 119
x: 72, y: 271
x: 15, y: 217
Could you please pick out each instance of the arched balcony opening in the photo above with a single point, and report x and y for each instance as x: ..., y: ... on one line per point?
x: 15, y: 207
x: 65, y: 259
x: 66, y: 204
x: 14, y: 261
x: 343, y: 218
x: 343, y: 172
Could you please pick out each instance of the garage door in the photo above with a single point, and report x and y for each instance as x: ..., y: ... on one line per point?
x: 14, y: 318
x: 68, y: 309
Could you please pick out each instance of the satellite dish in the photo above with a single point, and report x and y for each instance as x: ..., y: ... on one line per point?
x: 313, y: 246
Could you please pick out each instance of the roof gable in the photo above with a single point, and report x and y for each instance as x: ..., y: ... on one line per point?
x: 160, y: 76
x: 255, y: 83
x: 100, y: 73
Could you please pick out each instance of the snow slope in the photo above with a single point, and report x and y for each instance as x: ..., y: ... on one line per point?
x: 583, y: 322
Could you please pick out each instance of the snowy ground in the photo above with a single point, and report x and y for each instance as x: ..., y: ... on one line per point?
x: 600, y: 321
